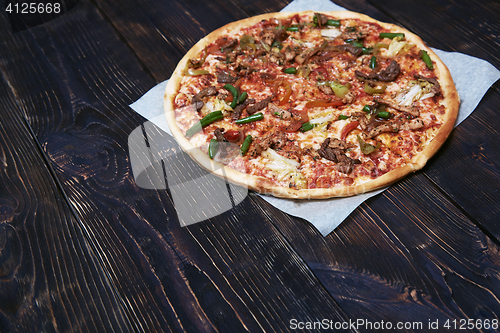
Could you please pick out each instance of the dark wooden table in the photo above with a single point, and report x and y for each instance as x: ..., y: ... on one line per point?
x: 84, y: 249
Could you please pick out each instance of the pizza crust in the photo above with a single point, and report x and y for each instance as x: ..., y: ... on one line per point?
x: 265, y: 186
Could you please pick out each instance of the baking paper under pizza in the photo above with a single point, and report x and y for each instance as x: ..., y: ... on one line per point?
x: 311, y: 105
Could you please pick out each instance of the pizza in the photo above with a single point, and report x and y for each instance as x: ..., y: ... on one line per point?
x: 311, y: 105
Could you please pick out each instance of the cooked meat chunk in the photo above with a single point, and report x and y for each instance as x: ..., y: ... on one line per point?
x: 390, y: 73
x: 219, y: 134
x: 413, y: 124
x: 208, y: 91
x: 229, y: 45
x: 259, y: 105
x: 238, y: 110
x: 304, y: 57
x: 352, y: 33
x: 322, y: 19
x: 336, y: 154
x: 279, y: 112
x: 349, y: 98
x: 268, y: 35
x: 274, y: 140
x: 354, y: 50
x: 224, y: 77
x: 281, y: 35
x: 327, y: 90
x: 386, y: 127
x: 290, y: 54
x: 436, y: 89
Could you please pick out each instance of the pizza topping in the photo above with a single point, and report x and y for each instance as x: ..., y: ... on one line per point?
x: 390, y: 73
x: 396, y: 47
x: 259, y: 105
x: 208, y: 91
x: 224, y: 77
x: 337, y: 88
x: 425, y: 57
x: 352, y: 33
x: 249, y: 119
x: 365, y: 147
x: 246, y: 144
x: 213, y: 147
x: 320, y: 19
x: 204, y: 122
x: 418, y: 90
x: 229, y: 45
x: 306, y: 127
x: 279, y: 112
x: 294, y: 126
x: 335, y: 151
x: 435, y: 88
x: 275, y: 140
x: 312, y: 82
x: 219, y: 134
x: 391, y: 35
x: 347, y: 128
x: 285, y: 169
x: 238, y: 110
x: 353, y: 49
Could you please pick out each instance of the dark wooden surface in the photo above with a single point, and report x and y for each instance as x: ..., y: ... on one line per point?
x: 84, y: 249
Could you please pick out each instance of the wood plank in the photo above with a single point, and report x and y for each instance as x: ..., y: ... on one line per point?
x: 409, y: 304
x: 468, y: 169
x: 50, y: 278
x: 74, y: 93
x: 407, y: 255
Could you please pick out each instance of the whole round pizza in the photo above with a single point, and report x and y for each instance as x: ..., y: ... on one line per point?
x: 311, y: 105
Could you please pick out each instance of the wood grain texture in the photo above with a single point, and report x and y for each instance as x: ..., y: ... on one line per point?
x: 50, y: 279
x: 168, y: 278
x: 111, y: 255
x: 406, y: 255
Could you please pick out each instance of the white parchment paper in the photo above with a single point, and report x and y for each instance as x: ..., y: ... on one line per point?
x: 472, y: 77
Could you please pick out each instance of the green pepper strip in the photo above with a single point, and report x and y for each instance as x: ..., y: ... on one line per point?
x: 290, y: 70
x: 367, y: 148
x: 205, y: 121
x: 243, y: 96
x: 391, y: 35
x: 384, y: 114
x: 234, y: 92
x: 367, y: 109
x: 370, y: 90
x: 335, y: 23
x: 339, y: 89
x: 425, y: 57
x: 246, y: 144
x: 306, y: 127
x: 212, y: 148
x: 249, y: 119
x: 373, y: 62
x: 292, y: 29
x: 356, y: 43
x: 343, y: 117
